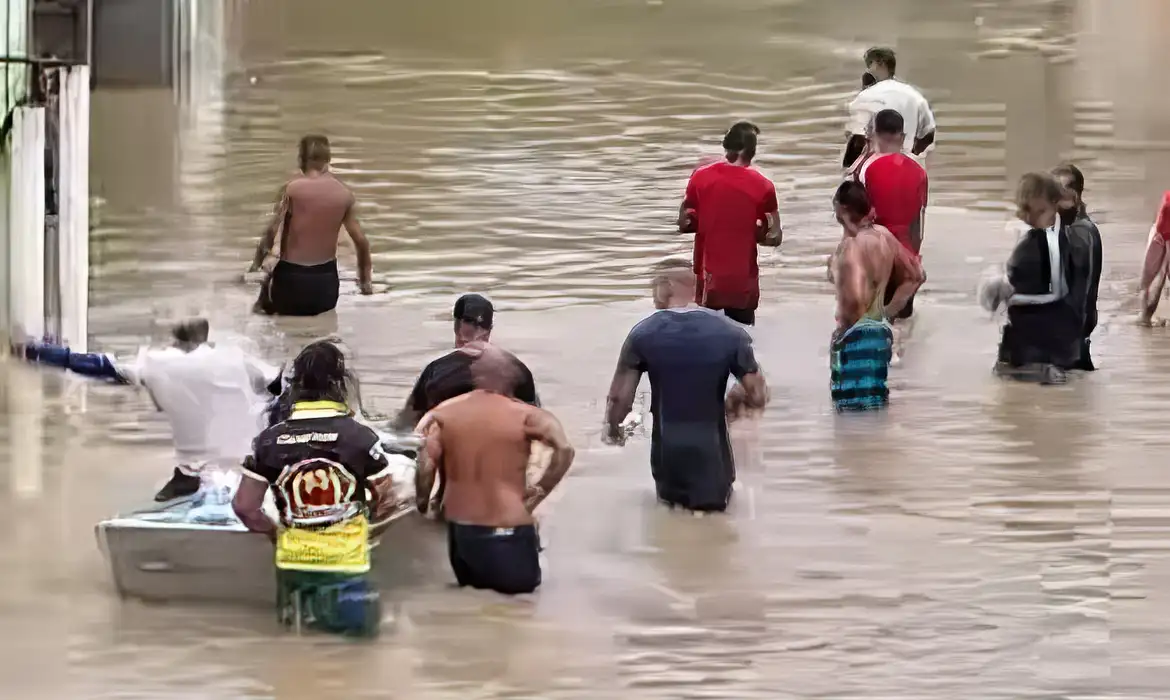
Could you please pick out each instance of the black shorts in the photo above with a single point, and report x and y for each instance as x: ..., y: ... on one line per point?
x: 745, y: 316
x: 300, y: 290
x: 907, y: 310
x: 505, y: 560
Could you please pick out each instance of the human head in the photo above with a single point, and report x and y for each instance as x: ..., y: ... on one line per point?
x: 881, y: 62
x: 191, y: 333
x: 673, y: 283
x: 889, y: 133
x: 493, y: 369
x: 1037, y: 200
x: 852, y: 207
x: 739, y: 143
x: 319, y: 373
x: 314, y: 153
x: 473, y: 319
x: 1072, y: 187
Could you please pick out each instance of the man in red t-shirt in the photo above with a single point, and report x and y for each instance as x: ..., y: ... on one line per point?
x: 1155, y: 267
x: 896, y: 185
x: 731, y: 208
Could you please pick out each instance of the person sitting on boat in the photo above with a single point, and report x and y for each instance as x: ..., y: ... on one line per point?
x: 211, y: 394
x: 1045, y: 330
x: 329, y: 476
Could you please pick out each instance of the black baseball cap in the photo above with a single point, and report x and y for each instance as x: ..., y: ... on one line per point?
x: 476, y: 309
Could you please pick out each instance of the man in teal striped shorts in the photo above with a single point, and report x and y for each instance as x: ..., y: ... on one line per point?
x: 868, y: 261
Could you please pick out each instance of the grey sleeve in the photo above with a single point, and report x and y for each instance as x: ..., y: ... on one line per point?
x: 744, y: 360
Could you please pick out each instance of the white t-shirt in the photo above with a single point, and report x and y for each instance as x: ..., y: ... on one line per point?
x: 214, y: 398
x: 892, y: 94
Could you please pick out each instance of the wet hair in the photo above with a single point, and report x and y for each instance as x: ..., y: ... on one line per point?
x: 1035, y: 186
x: 1073, y: 174
x: 851, y: 196
x: 889, y: 122
x: 193, y: 331
x: 313, y: 152
x: 319, y: 373
x: 882, y: 56
x: 740, y: 141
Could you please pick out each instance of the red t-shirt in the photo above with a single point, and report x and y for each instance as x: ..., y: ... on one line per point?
x: 728, y: 201
x: 1162, y: 224
x: 897, y: 189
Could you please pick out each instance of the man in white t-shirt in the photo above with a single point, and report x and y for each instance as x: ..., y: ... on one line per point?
x: 887, y: 93
x: 213, y: 396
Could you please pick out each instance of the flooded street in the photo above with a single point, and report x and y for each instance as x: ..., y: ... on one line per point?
x: 978, y: 540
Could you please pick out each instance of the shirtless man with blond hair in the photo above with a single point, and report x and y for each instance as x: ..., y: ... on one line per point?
x: 314, y: 206
x: 868, y: 262
x: 478, y: 445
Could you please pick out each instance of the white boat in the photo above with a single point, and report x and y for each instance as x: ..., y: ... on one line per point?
x: 197, y: 549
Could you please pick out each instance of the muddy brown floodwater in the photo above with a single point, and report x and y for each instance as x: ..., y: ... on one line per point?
x: 978, y: 540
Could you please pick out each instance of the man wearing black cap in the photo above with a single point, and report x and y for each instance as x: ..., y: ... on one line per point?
x: 450, y: 375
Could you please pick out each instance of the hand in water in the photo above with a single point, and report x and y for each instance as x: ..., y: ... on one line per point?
x: 613, y: 435
x: 367, y: 288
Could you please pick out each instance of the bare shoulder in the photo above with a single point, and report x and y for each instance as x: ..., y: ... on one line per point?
x: 539, y: 420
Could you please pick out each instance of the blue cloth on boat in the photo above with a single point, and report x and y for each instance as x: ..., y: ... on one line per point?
x: 88, y: 364
x: 860, y: 364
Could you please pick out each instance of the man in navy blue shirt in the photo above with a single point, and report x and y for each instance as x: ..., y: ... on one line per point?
x: 690, y: 353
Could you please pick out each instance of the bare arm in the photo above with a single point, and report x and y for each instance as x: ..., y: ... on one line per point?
x: 248, y: 503
x: 831, y: 263
x: 774, y: 233
x: 361, y: 246
x: 925, y: 128
x: 380, y: 482
x: 908, y: 272
x: 686, y: 222
x: 751, y: 392
x: 854, y: 149
x: 620, y: 401
x: 923, y: 143
x: 851, y: 284
x: 268, y: 238
x: 430, y: 462
x: 544, y: 427
x: 1153, y: 278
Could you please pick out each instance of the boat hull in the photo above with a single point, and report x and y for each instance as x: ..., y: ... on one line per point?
x: 198, y: 550
x: 197, y: 562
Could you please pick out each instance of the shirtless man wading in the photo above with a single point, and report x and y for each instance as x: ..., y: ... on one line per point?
x: 479, y: 444
x: 313, y: 208
x: 869, y: 260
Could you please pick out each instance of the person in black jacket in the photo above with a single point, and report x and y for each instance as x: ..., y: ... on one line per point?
x: 1045, y: 329
x: 1085, y: 240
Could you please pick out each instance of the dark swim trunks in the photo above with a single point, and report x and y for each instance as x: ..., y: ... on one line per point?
x: 300, y: 290
x: 501, y: 559
x: 745, y: 316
